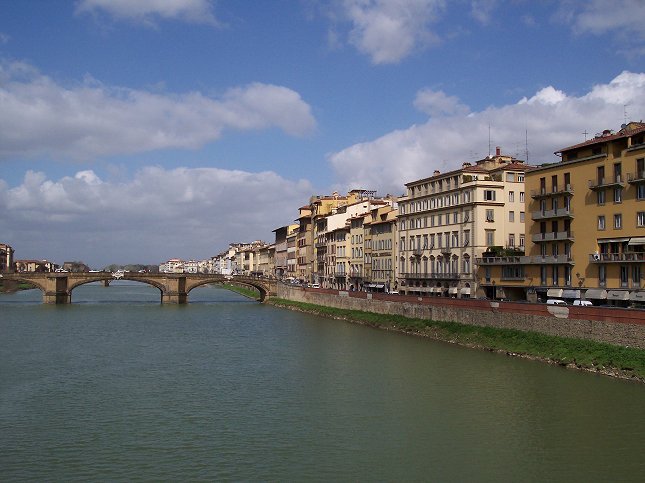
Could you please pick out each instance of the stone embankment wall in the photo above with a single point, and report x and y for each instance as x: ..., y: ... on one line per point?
x: 616, y: 326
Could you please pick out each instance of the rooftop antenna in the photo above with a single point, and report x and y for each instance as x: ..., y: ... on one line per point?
x: 489, y: 139
x: 585, y: 133
x: 526, y: 145
x: 625, y: 112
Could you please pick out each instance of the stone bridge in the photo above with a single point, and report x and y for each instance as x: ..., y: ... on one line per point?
x: 174, y: 287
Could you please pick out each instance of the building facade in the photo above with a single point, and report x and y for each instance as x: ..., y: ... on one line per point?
x: 6, y: 258
x: 448, y: 220
x: 586, y: 224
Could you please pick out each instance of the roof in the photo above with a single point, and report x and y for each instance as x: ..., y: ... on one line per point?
x: 606, y: 136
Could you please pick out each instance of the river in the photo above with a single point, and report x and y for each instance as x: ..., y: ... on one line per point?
x: 117, y: 387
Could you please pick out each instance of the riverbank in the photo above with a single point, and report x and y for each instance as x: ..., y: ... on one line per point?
x: 581, y: 354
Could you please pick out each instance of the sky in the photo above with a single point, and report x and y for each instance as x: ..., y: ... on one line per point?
x: 134, y: 131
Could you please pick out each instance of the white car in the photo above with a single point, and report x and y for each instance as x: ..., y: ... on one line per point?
x: 583, y: 303
x: 555, y: 302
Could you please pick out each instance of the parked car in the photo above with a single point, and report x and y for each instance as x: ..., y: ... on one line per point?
x: 555, y: 302
x: 314, y: 285
x: 583, y: 303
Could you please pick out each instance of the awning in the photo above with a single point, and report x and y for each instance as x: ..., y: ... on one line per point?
x: 554, y: 292
x: 637, y: 240
x: 637, y: 296
x: 617, y: 295
x: 613, y: 240
x: 500, y: 293
x: 571, y: 294
x: 452, y: 290
x: 465, y: 291
x: 596, y: 293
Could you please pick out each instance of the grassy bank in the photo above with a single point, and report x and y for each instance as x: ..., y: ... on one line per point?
x: 583, y: 354
x: 250, y: 293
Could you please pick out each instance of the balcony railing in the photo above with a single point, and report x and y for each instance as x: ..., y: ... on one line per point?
x: 636, y: 178
x: 554, y: 191
x: 552, y: 236
x: 521, y: 260
x: 433, y: 276
x: 557, y: 213
x: 602, y: 183
x: 617, y: 257
x: 526, y: 260
x: 550, y: 260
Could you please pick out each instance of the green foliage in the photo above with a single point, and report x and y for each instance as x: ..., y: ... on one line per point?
x: 562, y: 350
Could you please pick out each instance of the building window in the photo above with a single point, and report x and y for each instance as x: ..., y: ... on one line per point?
x: 511, y: 240
x: 510, y: 177
x: 490, y: 238
x: 640, y: 218
x: 511, y: 196
x: 618, y: 195
x: 640, y: 192
x: 601, y: 222
x: 601, y: 197
x: 511, y: 216
x: 623, y: 275
x: 554, y: 277
x: 567, y: 276
x: 520, y: 178
x: 521, y: 196
x: 489, y: 195
x: 490, y: 215
x: 602, y: 275
x: 636, y: 275
x: 522, y: 240
x: 521, y: 217
x: 618, y: 221
x: 466, y: 264
x: 543, y: 275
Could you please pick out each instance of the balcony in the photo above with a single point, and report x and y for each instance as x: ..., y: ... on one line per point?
x: 636, y: 178
x: 625, y: 257
x: 417, y: 252
x: 553, y: 236
x: 550, y: 260
x: 549, y: 214
x: 555, y: 191
x: 517, y: 260
x: 433, y: 276
x: 603, y: 183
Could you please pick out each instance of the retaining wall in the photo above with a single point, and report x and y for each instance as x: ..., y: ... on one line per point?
x: 616, y: 326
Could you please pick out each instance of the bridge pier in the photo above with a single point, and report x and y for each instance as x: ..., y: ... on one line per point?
x: 57, y: 290
x: 175, y: 291
x: 57, y: 298
x: 174, y: 298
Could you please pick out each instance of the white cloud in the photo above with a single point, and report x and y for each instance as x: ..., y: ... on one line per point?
x: 437, y: 103
x: 601, y: 16
x: 189, y: 213
x: 39, y: 116
x: 389, y: 30
x: 148, y: 11
x: 552, y: 119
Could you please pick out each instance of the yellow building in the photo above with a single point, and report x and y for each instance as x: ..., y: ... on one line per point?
x: 448, y: 220
x: 380, y: 248
x: 586, y: 224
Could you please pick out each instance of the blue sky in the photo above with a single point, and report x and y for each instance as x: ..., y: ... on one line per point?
x: 140, y: 130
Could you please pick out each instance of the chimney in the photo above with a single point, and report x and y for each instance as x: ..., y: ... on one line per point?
x: 498, y: 151
x: 436, y: 172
